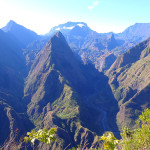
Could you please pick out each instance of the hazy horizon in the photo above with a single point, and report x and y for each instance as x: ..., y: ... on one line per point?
x: 100, y: 15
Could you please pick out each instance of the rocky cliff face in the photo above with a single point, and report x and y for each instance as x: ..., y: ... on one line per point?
x: 62, y: 90
x: 14, y: 126
x: 12, y: 74
x: 129, y: 78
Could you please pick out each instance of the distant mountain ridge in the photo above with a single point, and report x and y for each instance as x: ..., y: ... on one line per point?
x: 64, y: 28
x: 93, y: 46
x: 136, y: 32
x: 88, y: 44
x: 24, y: 35
x: 132, y: 36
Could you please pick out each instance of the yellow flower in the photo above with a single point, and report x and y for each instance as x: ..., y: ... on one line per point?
x: 103, y: 138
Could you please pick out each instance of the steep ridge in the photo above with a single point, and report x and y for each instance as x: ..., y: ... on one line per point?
x: 14, y: 126
x: 131, y: 56
x: 65, y: 61
x: 129, y: 77
x: 29, y: 42
x: 62, y: 89
x: 12, y: 74
x: 132, y: 36
x: 12, y: 66
x: 131, y: 109
x: 24, y: 35
x: 138, y: 31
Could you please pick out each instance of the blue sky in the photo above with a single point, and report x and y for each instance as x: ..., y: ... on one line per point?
x: 100, y: 15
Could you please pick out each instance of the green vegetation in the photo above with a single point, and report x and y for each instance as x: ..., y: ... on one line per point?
x: 67, y: 104
x: 137, y: 139
x: 110, y: 141
x: 129, y: 80
x: 42, y: 135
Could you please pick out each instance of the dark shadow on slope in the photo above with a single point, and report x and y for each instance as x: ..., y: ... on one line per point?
x: 99, y: 108
x: 4, y: 129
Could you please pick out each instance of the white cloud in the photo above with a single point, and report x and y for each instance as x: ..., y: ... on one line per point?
x: 95, y: 3
x: 90, y: 7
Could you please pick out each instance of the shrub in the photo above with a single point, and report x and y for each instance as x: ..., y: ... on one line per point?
x: 42, y: 135
x: 137, y: 139
x: 110, y: 141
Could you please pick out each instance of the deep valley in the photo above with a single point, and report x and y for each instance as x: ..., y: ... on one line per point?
x: 79, y: 81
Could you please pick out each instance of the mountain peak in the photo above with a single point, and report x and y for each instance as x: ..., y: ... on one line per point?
x: 11, y: 22
x: 57, y: 55
x: 59, y: 35
x: 9, y: 26
x: 24, y: 35
x: 111, y: 36
x: 57, y: 38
